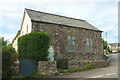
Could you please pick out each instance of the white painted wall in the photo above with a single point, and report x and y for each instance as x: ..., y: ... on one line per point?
x: 26, y: 23
x: 26, y: 28
x: 15, y: 44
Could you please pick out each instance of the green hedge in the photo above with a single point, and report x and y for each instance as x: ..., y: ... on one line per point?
x: 7, y: 58
x: 7, y: 62
x: 34, y: 46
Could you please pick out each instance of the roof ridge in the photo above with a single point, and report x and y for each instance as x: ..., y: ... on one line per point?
x: 54, y: 14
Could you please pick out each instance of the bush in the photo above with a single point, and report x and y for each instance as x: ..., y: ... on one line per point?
x: 89, y: 66
x: 7, y: 58
x: 34, y: 46
x: 17, y: 76
x: 61, y: 71
x: 36, y: 75
x: 7, y: 62
x: 62, y: 64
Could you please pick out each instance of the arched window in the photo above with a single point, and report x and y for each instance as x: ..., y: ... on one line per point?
x: 91, y: 49
x: 51, y: 53
x: 73, y: 42
x: 69, y: 42
x: 87, y: 44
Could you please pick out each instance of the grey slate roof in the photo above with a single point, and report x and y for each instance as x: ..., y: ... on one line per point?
x: 57, y: 19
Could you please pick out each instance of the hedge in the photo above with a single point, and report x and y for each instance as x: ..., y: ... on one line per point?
x: 7, y: 62
x: 7, y: 58
x: 34, y: 46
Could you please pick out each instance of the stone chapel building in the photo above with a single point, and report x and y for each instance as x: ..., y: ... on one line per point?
x: 71, y: 39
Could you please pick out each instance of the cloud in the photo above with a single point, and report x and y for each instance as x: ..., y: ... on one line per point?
x: 108, y: 27
x: 1, y: 20
x: 8, y: 37
x: 100, y: 13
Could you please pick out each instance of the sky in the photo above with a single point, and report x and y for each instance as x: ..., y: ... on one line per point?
x: 102, y: 14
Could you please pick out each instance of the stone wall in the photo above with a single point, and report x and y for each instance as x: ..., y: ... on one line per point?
x: 82, y: 64
x: 59, y: 41
x: 47, y: 67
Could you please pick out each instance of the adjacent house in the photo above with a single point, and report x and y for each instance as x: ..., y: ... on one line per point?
x: 114, y: 47
x: 71, y: 39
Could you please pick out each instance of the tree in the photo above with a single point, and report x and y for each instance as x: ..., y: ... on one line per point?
x: 4, y: 42
x: 105, y: 45
x: 7, y: 59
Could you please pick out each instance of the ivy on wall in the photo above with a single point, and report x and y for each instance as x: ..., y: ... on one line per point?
x: 34, y: 46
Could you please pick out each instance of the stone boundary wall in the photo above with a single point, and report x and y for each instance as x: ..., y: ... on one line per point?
x: 47, y: 67
x: 82, y: 64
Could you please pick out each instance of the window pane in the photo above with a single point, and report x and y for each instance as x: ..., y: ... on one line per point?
x: 69, y: 47
x: 73, y: 38
x: 69, y: 37
x: 69, y: 42
x: 91, y: 45
x: 87, y: 44
x: 73, y: 47
x: 73, y: 42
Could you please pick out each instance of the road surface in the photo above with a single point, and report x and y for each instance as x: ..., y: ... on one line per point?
x: 106, y: 72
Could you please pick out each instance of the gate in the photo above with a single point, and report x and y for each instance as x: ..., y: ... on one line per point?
x: 27, y: 67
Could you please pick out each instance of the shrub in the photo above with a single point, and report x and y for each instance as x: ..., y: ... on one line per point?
x: 7, y: 58
x: 61, y: 71
x: 62, y: 64
x: 7, y: 62
x: 89, y: 66
x: 17, y: 76
x: 34, y: 46
x: 4, y: 42
x: 36, y: 75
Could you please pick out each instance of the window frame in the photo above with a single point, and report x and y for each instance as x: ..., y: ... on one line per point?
x: 88, y: 44
x: 91, y: 45
x: 71, y: 43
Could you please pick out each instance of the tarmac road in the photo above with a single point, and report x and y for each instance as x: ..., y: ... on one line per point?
x: 106, y: 72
